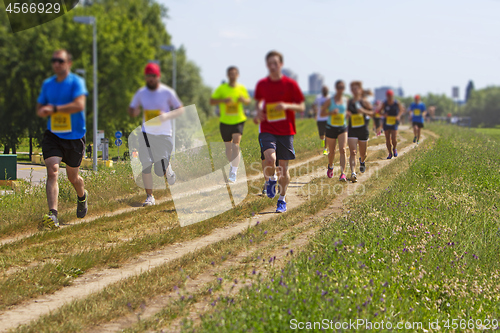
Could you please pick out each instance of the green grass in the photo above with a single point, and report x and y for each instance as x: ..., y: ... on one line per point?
x: 492, y: 132
x: 423, y: 248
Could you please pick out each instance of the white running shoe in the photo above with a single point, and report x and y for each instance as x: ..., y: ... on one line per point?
x: 150, y: 201
x: 232, y: 176
x: 170, y: 175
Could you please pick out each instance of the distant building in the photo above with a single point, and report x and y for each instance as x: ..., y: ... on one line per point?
x: 316, y: 82
x: 380, y: 93
x: 290, y: 74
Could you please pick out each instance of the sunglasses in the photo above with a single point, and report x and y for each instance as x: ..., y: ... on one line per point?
x: 58, y: 60
x: 151, y: 75
x: 340, y: 87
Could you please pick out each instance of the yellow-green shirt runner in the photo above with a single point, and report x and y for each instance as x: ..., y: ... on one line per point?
x: 231, y: 113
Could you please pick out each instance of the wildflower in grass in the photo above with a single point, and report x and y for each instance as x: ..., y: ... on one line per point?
x: 289, y: 312
x: 265, y: 232
x: 254, y: 272
x: 175, y: 287
x: 129, y: 305
x: 235, y: 281
x: 258, y: 222
x: 219, y: 279
x: 210, y: 290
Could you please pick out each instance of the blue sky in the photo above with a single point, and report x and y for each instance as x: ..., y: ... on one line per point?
x: 425, y: 45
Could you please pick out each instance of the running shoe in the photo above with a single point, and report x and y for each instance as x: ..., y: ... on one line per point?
x: 343, y: 178
x: 325, y: 152
x: 281, y: 208
x: 362, y: 167
x: 264, y: 189
x: 170, y: 176
x: 414, y: 139
x: 417, y: 142
x: 271, y: 188
x: 395, y: 153
x: 390, y: 156
x: 354, y: 177
x: 82, y: 206
x: 329, y: 172
x: 50, y: 221
x: 232, y: 177
x: 150, y: 201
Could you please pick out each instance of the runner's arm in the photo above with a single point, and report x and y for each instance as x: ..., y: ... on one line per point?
x: 217, y: 101
x: 300, y: 107
x: 134, y: 112
x: 76, y: 106
x: 325, y: 107
x: 366, y: 109
x: 245, y: 100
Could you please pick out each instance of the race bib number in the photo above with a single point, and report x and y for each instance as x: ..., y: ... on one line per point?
x: 337, y: 119
x: 417, y: 112
x: 232, y: 109
x: 151, y: 117
x: 273, y: 114
x: 357, y: 120
x: 60, y: 123
x: 390, y: 120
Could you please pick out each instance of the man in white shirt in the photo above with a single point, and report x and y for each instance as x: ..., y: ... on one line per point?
x: 321, y: 121
x: 156, y: 100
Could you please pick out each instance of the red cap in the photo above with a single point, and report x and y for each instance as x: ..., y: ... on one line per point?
x: 417, y: 96
x: 152, y: 68
x: 389, y: 92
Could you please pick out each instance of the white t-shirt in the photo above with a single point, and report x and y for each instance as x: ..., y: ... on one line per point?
x: 155, y: 102
x: 320, y: 100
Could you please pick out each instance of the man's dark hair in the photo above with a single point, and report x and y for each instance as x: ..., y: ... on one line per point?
x: 274, y: 53
x: 230, y: 68
x: 68, y: 55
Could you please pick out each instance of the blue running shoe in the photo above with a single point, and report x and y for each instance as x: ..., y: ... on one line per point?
x: 395, y: 153
x: 271, y: 188
x: 281, y: 206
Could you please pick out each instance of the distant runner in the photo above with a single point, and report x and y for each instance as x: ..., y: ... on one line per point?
x: 320, y: 119
x: 230, y: 98
x: 62, y: 99
x: 418, y: 110
x: 155, y: 99
x: 377, y: 118
x: 392, y: 111
x: 278, y: 98
x: 336, y: 128
x: 358, y: 111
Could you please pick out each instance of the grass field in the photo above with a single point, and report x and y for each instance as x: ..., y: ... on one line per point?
x: 422, y: 249
x: 49, y: 261
x: 492, y: 132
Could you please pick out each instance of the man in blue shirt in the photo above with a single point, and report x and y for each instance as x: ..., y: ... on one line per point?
x: 62, y: 100
x: 418, y: 111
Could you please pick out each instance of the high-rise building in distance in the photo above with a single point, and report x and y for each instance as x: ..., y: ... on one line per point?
x: 316, y: 82
x: 288, y: 72
x: 380, y: 92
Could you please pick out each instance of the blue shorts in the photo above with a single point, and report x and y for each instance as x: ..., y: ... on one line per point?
x: 388, y: 127
x: 282, y: 144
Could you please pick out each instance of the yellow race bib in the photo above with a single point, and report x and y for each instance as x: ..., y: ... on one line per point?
x: 232, y: 109
x: 390, y: 120
x: 337, y: 119
x: 416, y: 112
x: 151, y: 117
x: 60, y: 122
x: 357, y: 120
x: 273, y: 114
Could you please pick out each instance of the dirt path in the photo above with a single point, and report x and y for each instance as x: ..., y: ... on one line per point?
x: 96, y: 280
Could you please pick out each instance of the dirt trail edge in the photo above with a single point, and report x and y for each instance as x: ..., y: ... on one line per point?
x: 96, y: 280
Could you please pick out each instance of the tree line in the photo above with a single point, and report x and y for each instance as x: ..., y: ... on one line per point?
x: 130, y: 33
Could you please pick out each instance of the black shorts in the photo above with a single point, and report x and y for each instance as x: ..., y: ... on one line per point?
x: 321, y: 127
x: 420, y: 125
x: 334, y: 132
x: 71, y: 151
x: 282, y: 144
x: 155, y: 149
x: 360, y: 133
x: 227, y: 131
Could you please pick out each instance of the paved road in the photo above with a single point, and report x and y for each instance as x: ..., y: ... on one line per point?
x: 37, y: 174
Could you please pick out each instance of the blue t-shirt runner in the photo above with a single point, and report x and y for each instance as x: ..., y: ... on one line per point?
x: 417, y: 110
x: 64, y: 125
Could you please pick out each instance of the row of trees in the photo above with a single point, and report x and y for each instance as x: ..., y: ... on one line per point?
x: 130, y: 33
x: 483, y: 106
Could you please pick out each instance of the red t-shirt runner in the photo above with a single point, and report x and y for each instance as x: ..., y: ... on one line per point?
x: 271, y: 92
